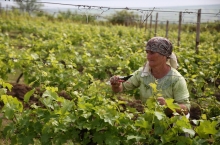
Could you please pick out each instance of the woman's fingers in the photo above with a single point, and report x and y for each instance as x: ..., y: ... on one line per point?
x: 161, y: 100
x: 114, y: 80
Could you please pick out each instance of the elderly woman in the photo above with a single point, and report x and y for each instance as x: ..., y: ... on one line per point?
x: 161, y: 68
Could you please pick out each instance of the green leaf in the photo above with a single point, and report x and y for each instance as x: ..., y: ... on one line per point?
x: 85, y: 106
x: 171, y: 105
x: 151, y: 103
x: 0, y: 122
x: 50, y: 94
x: 3, y: 91
x: 35, y: 56
x: 8, y: 112
x: 206, y: 127
x: 66, y: 106
x: 45, y: 138
x: 183, y: 140
x: 137, y: 138
x: 133, y: 110
x: 183, y: 121
x: 189, y: 131
x: 48, y: 102
x: 111, y: 116
x: 86, y: 114
x: 159, y: 115
x: 28, y: 95
x: 99, y: 137
x: 26, y: 139
x: 11, y: 104
x: 142, y: 123
x: 112, y: 139
x: 6, y: 85
x: 154, y: 87
x: 160, y: 127
x: 52, y: 89
x: 169, y: 136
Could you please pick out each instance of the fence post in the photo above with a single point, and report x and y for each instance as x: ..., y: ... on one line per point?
x: 146, y: 22
x: 127, y: 21
x: 155, y: 34
x: 132, y: 21
x: 198, y: 30
x: 6, y: 10
x: 179, y: 30
x: 140, y: 23
x: 150, y: 24
x: 0, y: 8
x: 167, y: 28
x: 136, y: 23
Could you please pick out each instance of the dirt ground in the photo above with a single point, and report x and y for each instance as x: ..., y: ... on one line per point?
x: 19, y: 90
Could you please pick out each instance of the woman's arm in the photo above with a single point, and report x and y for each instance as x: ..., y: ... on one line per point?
x: 183, y: 110
x: 117, y: 88
x: 116, y: 84
x: 181, y: 95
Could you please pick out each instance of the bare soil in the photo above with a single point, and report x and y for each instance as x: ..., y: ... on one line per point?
x: 19, y: 90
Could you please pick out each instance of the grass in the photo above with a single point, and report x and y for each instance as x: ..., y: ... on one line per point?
x: 4, y: 123
x: 12, y: 79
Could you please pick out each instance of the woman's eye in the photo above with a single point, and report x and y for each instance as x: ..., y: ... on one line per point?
x: 150, y: 52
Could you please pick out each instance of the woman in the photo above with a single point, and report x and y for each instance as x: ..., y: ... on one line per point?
x: 161, y: 68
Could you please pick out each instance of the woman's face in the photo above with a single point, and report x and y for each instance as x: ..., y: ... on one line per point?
x: 155, y: 59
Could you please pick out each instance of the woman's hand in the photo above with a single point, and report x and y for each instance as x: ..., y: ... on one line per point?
x: 161, y: 101
x: 183, y: 109
x: 115, y: 81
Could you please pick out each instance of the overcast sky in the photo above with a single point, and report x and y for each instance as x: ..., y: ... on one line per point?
x: 127, y: 3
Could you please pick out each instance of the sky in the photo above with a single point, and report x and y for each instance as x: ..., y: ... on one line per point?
x: 125, y: 3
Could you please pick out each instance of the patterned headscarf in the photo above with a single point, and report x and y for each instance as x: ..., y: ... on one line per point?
x: 160, y: 45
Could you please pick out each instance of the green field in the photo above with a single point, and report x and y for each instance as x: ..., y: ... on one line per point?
x: 79, y: 59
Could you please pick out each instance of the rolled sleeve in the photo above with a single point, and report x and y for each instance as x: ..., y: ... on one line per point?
x: 181, y: 93
x: 133, y: 82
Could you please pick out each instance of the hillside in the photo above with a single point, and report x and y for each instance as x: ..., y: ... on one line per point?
x: 54, y: 56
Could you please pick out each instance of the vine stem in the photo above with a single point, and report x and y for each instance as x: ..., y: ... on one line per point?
x: 155, y: 94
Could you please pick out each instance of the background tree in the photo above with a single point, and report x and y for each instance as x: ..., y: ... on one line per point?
x: 29, y: 5
x: 123, y: 18
x: 74, y: 16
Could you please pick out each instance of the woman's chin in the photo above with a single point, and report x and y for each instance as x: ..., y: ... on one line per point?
x: 151, y: 65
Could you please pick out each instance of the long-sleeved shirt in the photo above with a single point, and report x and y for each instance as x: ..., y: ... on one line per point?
x: 173, y: 85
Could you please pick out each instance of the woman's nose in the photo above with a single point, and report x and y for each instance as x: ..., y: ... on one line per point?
x: 148, y: 55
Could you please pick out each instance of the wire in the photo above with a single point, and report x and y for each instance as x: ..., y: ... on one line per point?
x: 133, y: 19
x: 108, y: 8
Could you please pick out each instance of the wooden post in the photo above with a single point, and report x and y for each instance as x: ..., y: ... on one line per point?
x: 179, y: 30
x: 140, y: 23
x: 87, y: 18
x: 133, y: 21
x: 167, y: 29
x: 146, y: 23
x: 6, y: 10
x: 126, y: 21
x: 198, y: 30
x: 0, y: 8
x: 150, y: 24
x: 155, y: 34
x: 161, y: 25
x: 136, y: 23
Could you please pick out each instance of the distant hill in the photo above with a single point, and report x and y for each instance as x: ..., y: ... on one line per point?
x: 210, y: 13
